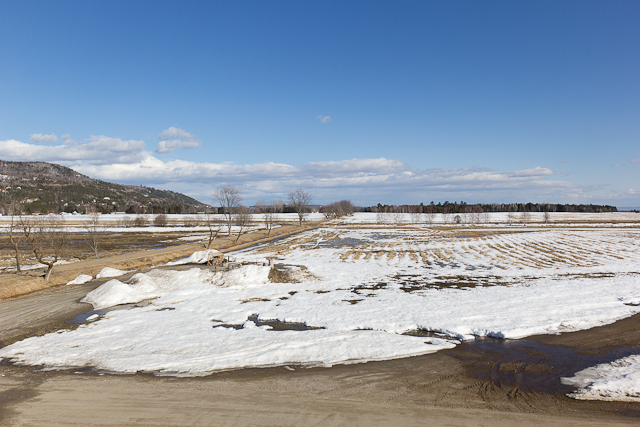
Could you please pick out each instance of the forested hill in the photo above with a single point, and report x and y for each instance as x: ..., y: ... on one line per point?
x: 40, y: 187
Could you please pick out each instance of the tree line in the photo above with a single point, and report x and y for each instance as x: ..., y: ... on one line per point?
x: 462, y: 207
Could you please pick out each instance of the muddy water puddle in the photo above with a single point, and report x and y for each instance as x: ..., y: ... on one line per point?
x: 93, y: 315
x: 531, y: 366
x: 274, y: 324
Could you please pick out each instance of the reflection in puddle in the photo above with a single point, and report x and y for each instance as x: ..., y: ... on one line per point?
x: 93, y: 315
x: 529, y: 365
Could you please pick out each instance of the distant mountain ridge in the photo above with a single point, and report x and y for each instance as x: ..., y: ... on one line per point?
x: 41, y: 187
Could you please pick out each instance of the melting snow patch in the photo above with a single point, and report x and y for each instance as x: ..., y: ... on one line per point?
x: 200, y: 257
x: 111, y: 272
x: 81, y: 279
x: 618, y: 380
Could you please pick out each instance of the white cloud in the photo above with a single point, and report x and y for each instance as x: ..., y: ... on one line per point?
x: 174, y: 137
x: 563, y: 161
x: 39, y: 138
x: 364, y: 181
x: 323, y: 119
x: 537, y: 171
x: 98, y: 149
x: 628, y: 194
x: 354, y: 165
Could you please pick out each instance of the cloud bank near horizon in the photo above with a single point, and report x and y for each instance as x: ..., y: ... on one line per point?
x: 363, y: 180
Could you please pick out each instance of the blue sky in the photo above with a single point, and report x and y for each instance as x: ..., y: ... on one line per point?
x: 373, y: 101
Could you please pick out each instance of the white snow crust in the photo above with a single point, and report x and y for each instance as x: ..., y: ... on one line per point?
x: 111, y: 272
x: 81, y: 279
x: 365, y: 287
x: 618, y: 380
x: 199, y: 257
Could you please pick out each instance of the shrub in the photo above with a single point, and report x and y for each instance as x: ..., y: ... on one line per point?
x: 140, y: 221
x: 160, y: 220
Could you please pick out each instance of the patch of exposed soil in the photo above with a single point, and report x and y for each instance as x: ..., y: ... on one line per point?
x: 285, y: 273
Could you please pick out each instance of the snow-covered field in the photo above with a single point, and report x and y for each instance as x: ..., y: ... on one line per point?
x: 348, y: 294
x: 124, y: 223
x: 182, y: 222
x: 510, y: 219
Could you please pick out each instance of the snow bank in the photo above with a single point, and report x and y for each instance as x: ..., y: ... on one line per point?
x: 140, y: 287
x: 199, y: 257
x: 156, y: 283
x: 111, y: 272
x: 247, y: 275
x: 618, y: 380
x: 81, y: 279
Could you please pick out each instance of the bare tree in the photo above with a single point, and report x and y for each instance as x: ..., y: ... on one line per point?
x: 333, y: 210
x: 446, y: 218
x: 465, y: 216
x: 15, y: 237
x: 261, y: 206
x: 415, y: 217
x: 11, y: 207
x: 229, y: 198
x: 140, y: 220
x: 242, y: 220
x: 47, y: 240
x: 300, y: 201
x: 547, y: 217
x: 338, y: 209
x: 277, y: 205
x: 526, y: 217
x: 93, y: 232
x: 270, y: 214
x: 214, y: 225
x: 347, y: 207
x: 398, y: 217
x: 476, y: 214
x: 431, y: 215
x: 268, y: 211
x: 194, y: 221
